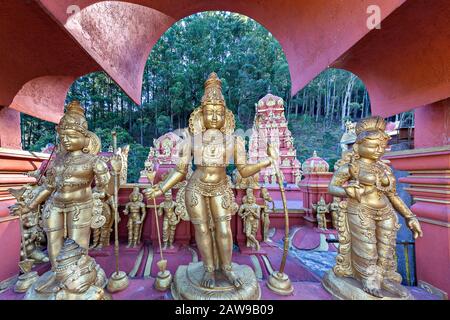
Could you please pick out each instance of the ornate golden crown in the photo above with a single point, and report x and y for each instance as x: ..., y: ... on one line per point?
x: 74, y: 118
x: 213, y: 91
x: 375, y: 123
x: 213, y: 95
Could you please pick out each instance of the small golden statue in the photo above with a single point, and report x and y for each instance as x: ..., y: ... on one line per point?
x: 250, y: 212
x: 334, y: 209
x: 137, y: 212
x: 170, y: 221
x: 366, y: 266
x: 33, y: 234
x: 265, y: 212
x: 210, y: 201
x: 321, y: 208
x: 70, y: 210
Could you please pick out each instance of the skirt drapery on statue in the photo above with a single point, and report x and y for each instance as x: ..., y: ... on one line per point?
x: 373, y: 233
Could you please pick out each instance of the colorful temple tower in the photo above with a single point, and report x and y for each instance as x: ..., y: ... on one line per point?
x: 271, y: 126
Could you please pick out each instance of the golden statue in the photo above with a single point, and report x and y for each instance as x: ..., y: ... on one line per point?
x: 250, y: 212
x: 101, y: 236
x: 265, y: 212
x: 70, y: 210
x: 321, y: 208
x: 210, y: 201
x: 334, y: 209
x: 170, y: 220
x: 366, y: 266
x: 137, y: 212
x: 33, y: 234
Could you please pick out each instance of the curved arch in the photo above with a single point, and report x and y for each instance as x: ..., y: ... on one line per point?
x: 43, y: 97
x: 119, y: 36
x: 296, y: 25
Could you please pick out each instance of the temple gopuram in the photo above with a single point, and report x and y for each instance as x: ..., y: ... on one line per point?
x: 270, y: 126
x: 375, y: 226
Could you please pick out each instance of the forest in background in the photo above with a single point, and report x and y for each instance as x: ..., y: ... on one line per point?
x: 250, y: 62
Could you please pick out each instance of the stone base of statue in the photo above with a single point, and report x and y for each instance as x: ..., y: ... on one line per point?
x: 52, y: 291
x: 347, y: 288
x: 186, y: 284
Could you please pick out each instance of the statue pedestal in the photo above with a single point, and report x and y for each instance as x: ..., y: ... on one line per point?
x: 94, y: 292
x: 250, y: 251
x: 345, y: 288
x: 103, y: 252
x: 137, y: 248
x: 174, y: 250
x: 186, y: 284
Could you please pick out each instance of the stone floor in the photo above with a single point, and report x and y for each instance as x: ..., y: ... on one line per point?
x: 309, y: 258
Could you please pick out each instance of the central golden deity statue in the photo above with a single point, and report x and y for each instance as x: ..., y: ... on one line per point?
x: 70, y: 211
x: 210, y: 201
x: 366, y: 266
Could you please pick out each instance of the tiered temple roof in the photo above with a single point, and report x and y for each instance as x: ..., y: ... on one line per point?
x: 271, y: 126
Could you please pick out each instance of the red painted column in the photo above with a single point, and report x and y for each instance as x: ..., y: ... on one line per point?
x: 429, y: 185
x: 13, y: 164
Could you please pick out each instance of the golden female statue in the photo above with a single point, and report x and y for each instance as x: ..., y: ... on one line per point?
x: 209, y: 199
x: 136, y: 209
x: 70, y: 210
x: 367, y: 223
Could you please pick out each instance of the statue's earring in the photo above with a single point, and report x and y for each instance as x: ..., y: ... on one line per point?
x: 86, y: 148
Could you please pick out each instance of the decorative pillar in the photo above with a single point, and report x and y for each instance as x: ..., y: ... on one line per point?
x: 315, y: 185
x: 428, y: 166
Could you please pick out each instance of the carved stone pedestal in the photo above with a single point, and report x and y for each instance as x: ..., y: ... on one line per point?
x: 186, y: 284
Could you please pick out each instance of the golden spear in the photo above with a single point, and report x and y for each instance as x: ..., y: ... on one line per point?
x: 119, y: 279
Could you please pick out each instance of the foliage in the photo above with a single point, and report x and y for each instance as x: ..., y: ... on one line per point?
x: 249, y: 61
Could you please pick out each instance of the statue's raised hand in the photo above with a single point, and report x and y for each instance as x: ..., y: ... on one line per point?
x: 272, y: 153
x: 116, y: 163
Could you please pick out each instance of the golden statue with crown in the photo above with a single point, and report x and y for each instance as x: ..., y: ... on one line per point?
x: 71, y: 209
x: 210, y: 202
x: 366, y: 266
